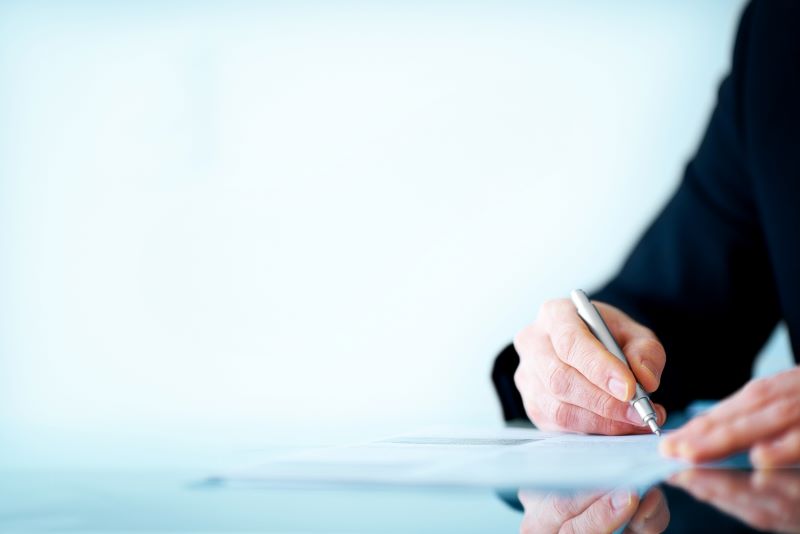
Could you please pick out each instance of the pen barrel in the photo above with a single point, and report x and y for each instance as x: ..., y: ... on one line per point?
x: 645, y: 409
x: 640, y: 394
x: 597, y: 326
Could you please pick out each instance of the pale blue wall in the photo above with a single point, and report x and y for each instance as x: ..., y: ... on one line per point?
x: 321, y: 212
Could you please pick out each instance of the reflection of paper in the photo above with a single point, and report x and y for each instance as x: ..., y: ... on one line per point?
x: 470, y: 457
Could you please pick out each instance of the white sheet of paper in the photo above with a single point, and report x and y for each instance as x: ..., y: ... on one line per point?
x: 500, y: 458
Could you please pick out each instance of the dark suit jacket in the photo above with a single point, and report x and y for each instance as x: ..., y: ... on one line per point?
x: 720, y: 265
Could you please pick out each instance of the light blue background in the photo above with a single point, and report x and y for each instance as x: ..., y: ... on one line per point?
x: 222, y: 217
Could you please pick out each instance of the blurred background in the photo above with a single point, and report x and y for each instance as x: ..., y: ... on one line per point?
x: 221, y: 218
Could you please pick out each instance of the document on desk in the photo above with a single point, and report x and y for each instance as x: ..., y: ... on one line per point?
x: 499, y: 458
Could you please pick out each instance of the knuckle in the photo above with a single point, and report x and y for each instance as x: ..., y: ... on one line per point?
x: 522, y: 340
x: 591, y: 366
x: 612, y: 428
x: 757, y: 389
x: 724, y: 437
x: 563, y: 507
x: 548, y: 311
x: 606, y: 405
x: 554, y: 310
x: 562, y: 415
x: 565, y: 341
x: 701, y: 424
x: 544, y: 308
x: 558, y: 380
x: 596, y: 517
x: 785, y: 411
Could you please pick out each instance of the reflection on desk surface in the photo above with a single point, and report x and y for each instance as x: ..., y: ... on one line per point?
x: 696, y: 500
x: 159, y: 501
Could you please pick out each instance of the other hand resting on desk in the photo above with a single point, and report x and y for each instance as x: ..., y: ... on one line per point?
x: 763, y: 416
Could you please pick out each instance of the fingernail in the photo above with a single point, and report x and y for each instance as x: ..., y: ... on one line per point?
x: 650, y: 368
x: 618, y: 388
x: 667, y: 446
x: 684, y: 450
x: 760, y: 457
x: 620, y: 499
x: 633, y: 417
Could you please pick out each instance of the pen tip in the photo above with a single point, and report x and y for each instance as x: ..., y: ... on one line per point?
x: 654, y: 427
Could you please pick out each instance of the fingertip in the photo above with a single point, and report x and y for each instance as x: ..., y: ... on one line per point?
x: 674, y: 446
x: 667, y: 447
x: 622, y: 499
x: 648, y: 376
x: 688, y: 451
x: 761, y: 457
x: 621, y: 387
x: 662, y: 414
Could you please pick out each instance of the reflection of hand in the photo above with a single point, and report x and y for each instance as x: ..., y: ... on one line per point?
x: 569, y: 381
x: 764, y: 415
x: 594, y: 512
x: 766, y: 500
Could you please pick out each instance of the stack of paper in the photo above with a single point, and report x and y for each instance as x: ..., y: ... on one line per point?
x: 499, y: 458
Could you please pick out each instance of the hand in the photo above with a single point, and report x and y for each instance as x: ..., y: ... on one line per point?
x: 569, y: 381
x: 766, y: 500
x: 594, y: 512
x: 764, y: 416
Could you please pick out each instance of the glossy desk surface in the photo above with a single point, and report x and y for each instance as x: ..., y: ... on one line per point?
x: 68, y: 481
x: 108, y: 500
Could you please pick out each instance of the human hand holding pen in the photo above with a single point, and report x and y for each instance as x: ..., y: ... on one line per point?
x: 569, y: 381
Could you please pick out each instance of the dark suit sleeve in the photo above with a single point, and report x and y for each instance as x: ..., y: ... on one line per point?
x: 700, y: 276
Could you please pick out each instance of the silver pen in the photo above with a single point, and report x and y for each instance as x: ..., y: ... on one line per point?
x: 586, y: 311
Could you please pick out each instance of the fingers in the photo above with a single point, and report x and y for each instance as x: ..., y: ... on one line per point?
x: 641, y: 347
x: 652, y: 516
x: 568, y: 381
x: 575, y: 345
x: 727, y: 490
x: 563, y: 416
x: 766, y: 505
x: 708, y: 438
x: 546, y: 512
x: 594, y: 512
x: 784, y: 450
x: 606, y: 514
x: 551, y: 414
x: 568, y: 385
x: 706, y: 484
x: 760, y: 412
